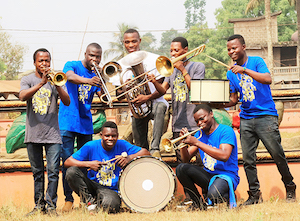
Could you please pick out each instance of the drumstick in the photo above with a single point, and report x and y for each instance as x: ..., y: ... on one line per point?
x: 123, y: 154
x: 218, y: 61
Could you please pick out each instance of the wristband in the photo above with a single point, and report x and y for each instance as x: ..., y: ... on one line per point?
x: 184, y: 74
x: 244, y: 69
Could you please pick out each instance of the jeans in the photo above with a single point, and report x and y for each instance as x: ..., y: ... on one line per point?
x: 189, y: 175
x: 85, y: 188
x: 68, y: 139
x: 263, y: 128
x: 140, y: 127
x: 35, y: 155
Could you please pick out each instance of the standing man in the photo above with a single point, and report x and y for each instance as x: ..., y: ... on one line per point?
x: 42, y: 130
x: 251, y: 78
x: 179, y: 81
x: 99, y: 189
x: 76, y: 120
x: 218, y: 149
x: 131, y: 41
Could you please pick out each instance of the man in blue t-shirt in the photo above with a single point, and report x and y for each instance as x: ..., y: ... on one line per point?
x: 250, y: 77
x: 75, y: 120
x: 99, y: 188
x: 217, y: 146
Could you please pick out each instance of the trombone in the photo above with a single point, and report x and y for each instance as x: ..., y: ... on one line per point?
x: 168, y: 144
x: 163, y: 65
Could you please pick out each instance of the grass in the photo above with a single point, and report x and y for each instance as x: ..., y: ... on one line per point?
x: 274, y: 209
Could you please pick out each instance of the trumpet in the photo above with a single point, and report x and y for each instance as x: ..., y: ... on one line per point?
x: 168, y: 144
x: 163, y: 65
x: 110, y: 69
x: 57, y: 78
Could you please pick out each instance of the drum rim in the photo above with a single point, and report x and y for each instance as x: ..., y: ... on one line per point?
x: 173, y: 176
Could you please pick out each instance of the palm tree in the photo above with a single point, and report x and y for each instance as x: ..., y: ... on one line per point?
x: 117, y: 48
x: 253, y: 4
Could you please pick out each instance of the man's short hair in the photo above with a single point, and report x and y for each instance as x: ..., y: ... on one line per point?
x: 182, y: 40
x: 95, y: 45
x: 131, y: 30
x: 237, y: 36
x: 109, y: 124
x: 205, y: 107
x: 40, y: 50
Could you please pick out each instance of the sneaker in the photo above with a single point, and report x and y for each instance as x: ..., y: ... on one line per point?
x: 254, y: 198
x: 37, y: 211
x: 91, y: 205
x: 155, y: 153
x: 189, y: 205
x: 290, y: 193
x: 67, y: 207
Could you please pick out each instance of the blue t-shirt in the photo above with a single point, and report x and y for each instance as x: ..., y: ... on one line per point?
x: 222, y: 135
x: 109, y: 174
x: 256, y: 97
x: 77, y: 116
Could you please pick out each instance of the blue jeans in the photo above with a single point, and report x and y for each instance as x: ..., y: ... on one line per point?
x: 35, y: 155
x: 68, y: 139
x: 140, y: 127
x: 86, y: 188
x: 263, y: 128
x: 189, y: 175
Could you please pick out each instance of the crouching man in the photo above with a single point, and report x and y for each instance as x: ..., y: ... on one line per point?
x: 98, y: 189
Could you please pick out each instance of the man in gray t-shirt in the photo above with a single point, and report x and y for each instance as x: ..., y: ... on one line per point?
x: 179, y: 82
x: 42, y: 130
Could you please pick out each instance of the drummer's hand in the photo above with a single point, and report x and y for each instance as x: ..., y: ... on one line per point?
x: 122, y: 161
x: 237, y: 69
x: 95, y: 165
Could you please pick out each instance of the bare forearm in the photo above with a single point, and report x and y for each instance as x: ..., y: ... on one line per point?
x: 64, y: 96
x: 28, y: 93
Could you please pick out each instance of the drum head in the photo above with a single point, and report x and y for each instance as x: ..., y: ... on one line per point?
x: 147, y: 185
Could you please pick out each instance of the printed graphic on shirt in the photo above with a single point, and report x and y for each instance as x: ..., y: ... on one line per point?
x: 41, y: 101
x: 180, y: 88
x: 209, y: 162
x: 247, y: 88
x: 106, y: 174
x: 83, y: 91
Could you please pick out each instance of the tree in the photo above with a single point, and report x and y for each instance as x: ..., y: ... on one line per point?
x: 166, y: 40
x: 194, y: 12
x: 148, y: 42
x: 11, y: 57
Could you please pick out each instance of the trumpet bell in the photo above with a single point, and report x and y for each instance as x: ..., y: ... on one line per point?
x: 167, y: 145
x: 58, y: 78
x: 111, y: 72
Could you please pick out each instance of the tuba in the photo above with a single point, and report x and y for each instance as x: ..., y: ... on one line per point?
x: 135, y: 60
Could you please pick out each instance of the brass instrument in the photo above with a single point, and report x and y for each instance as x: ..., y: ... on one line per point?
x: 168, y: 144
x: 57, y: 78
x: 109, y: 70
x: 163, y: 65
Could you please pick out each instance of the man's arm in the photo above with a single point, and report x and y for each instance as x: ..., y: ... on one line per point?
x: 122, y: 161
x: 26, y: 94
x: 64, y: 96
x: 76, y: 79
x: 93, y: 165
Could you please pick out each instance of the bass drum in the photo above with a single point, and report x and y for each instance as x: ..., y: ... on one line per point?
x: 147, y: 184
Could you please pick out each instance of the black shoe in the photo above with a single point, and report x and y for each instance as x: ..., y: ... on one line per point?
x: 290, y: 192
x: 254, y: 198
x: 37, y: 211
x: 52, y: 212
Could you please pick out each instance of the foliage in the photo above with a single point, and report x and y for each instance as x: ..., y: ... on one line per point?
x: 195, y: 12
x: 11, y: 57
x: 148, y: 42
x: 166, y: 40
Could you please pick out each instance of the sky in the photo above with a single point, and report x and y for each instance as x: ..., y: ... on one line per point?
x: 59, y: 25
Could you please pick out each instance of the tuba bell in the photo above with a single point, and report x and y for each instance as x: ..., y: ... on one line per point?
x: 135, y: 87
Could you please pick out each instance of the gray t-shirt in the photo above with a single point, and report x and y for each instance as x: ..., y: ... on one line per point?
x: 42, y: 112
x: 183, y: 111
